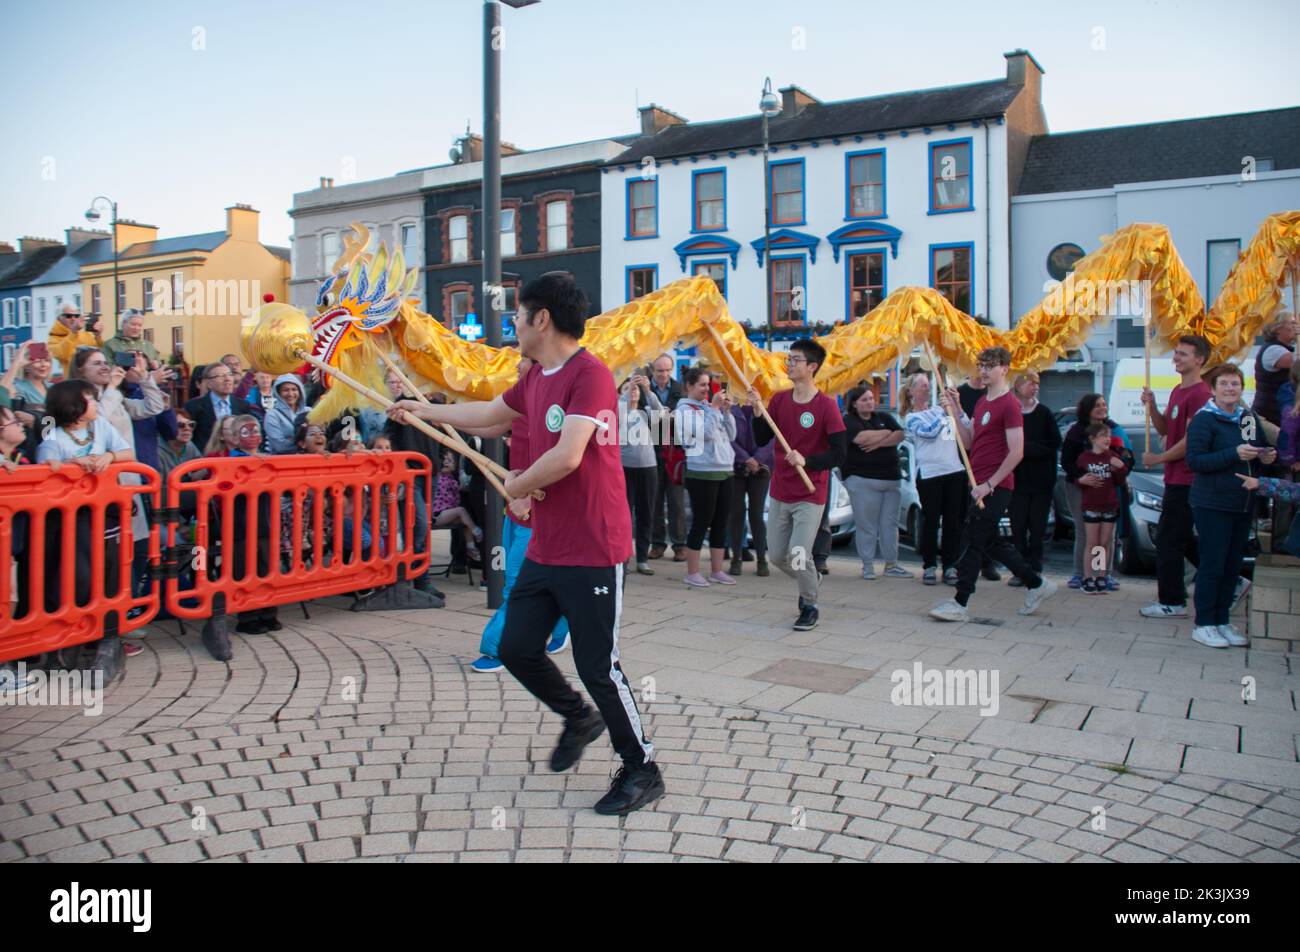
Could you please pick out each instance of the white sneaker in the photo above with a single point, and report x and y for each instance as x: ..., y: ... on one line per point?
x: 1157, y: 610
x: 1232, y: 636
x: 950, y: 611
x: 897, y: 571
x: 1035, y: 596
x: 1243, y: 586
x: 869, y: 572
x: 1209, y: 636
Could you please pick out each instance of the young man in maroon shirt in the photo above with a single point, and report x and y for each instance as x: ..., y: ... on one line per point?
x: 582, y: 534
x: 1174, y: 532
x: 995, y: 434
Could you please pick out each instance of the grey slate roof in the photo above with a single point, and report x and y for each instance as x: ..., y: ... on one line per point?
x: 208, y: 241
x: 25, y: 272
x: 1186, y: 148
x: 924, y: 107
x: 282, y: 253
x: 68, y: 268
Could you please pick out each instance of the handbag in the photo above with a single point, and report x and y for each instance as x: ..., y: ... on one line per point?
x: 675, y: 464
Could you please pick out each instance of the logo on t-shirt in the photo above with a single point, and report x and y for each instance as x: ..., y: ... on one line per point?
x: 984, y: 420
x: 1174, y: 414
x: 554, y: 418
x: 806, y: 420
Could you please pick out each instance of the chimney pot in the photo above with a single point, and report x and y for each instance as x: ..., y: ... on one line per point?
x: 795, y: 100
x: 655, y: 118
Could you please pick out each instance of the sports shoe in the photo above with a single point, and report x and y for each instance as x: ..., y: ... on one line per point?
x: 486, y: 665
x: 990, y: 572
x: 657, y: 551
x: 1112, y: 583
x: 1157, y: 610
x: 11, y: 685
x: 722, y: 578
x: 869, y: 572
x: 131, y: 649
x: 928, y: 577
x: 823, y: 568
x: 1209, y: 636
x: 1243, y: 586
x: 1076, y: 581
x: 950, y: 610
x: 578, y: 733
x: 762, y: 571
x: 1034, y: 596
x: 1232, y: 636
x: 1015, y: 582
x: 679, y: 553
x: 1089, y: 585
x: 696, y: 581
x: 557, y: 643
x: 807, y: 618
x: 747, y: 555
x: 633, y: 788
x: 737, y: 565
x: 251, y: 628
x: 949, y: 576
x: 897, y: 571
x: 643, y: 568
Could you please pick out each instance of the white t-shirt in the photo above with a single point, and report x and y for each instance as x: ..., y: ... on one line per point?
x: 935, y: 442
x: 60, y: 447
x: 1272, y: 354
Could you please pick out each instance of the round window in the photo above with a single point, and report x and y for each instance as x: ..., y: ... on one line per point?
x: 1061, y: 259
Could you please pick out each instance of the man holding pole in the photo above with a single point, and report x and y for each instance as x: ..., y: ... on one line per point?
x: 995, y: 434
x: 582, y: 534
x: 811, y: 423
x: 1174, y: 532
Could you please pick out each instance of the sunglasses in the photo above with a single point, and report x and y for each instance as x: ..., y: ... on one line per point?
x: 184, y: 426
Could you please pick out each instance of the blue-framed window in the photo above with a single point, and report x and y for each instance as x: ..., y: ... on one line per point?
x: 639, y: 280
x: 786, y: 196
x: 709, y: 200
x: 642, y: 208
x: 716, y: 269
x: 865, y: 280
x: 864, y: 185
x: 789, y: 290
x: 951, y: 187
x: 952, y: 273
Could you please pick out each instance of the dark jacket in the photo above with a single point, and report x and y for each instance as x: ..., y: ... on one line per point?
x: 743, y: 445
x: 1212, y: 442
x: 880, y: 463
x: 205, y: 417
x: 1037, y: 471
x: 150, y: 430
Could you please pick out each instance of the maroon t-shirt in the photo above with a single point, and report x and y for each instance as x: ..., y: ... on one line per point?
x: 584, y: 519
x: 989, y: 425
x: 520, y: 459
x: 1103, y: 498
x: 1183, y: 404
x: 807, y: 427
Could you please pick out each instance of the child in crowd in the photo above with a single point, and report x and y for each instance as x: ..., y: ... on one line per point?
x: 1100, y: 503
x: 447, y: 510
x: 381, y: 444
x: 1274, y: 488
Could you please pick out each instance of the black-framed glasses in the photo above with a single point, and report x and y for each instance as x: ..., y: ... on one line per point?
x: 796, y: 360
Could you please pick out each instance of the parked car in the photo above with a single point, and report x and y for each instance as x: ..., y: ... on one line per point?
x: 841, y: 516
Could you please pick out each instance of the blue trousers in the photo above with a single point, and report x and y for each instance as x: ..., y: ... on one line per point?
x: 1221, y: 540
x: 515, y: 538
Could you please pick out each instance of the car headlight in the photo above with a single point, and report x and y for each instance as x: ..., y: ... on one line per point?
x: 842, y: 497
x: 1150, y: 500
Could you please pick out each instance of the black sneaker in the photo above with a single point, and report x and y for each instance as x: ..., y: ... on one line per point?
x: 807, y: 618
x: 578, y: 733
x: 425, y: 584
x: 991, y: 573
x: 251, y: 628
x: 633, y: 788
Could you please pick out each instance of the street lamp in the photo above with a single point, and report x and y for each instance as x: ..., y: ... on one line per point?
x: 770, y: 107
x: 493, y: 298
x: 93, y: 216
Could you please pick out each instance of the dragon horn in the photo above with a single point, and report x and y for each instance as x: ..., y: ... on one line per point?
x: 353, y: 245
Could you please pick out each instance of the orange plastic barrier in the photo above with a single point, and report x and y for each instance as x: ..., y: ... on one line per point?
x: 274, y: 530
x: 66, y: 552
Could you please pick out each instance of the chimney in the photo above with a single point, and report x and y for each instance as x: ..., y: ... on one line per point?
x: 795, y: 100
x: 654, y: 118
x: 6, y: 248
x: 130, y: 232
x: 1023, y: 69
x: 75, y: 237
x: 326, y: 182
x: 28, y: 246
x: 241, y: 222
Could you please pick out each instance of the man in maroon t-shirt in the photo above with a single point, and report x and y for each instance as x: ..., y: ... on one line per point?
x: 582, y: 534
x: 995, y: 434
x: 1174, y: 531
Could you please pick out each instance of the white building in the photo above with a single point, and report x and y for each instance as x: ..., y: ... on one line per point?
x: 867, y: 195
x: 61, y: 284
x: 1211, y: 181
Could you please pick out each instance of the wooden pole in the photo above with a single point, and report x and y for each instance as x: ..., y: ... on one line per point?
x: 1295, y: 291
x: 1146, y: 358
x: 482, y: 461
x: 956, y: 428
x: 762, y: 410
x: 450, y: 430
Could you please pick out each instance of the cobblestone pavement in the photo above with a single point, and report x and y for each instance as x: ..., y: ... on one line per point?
x: 1116, y: 738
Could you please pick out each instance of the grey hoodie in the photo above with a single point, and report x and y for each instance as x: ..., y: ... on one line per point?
x: 280, y: 420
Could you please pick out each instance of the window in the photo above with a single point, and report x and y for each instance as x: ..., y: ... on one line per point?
x: 1264, y: 163
x: 1220, y: 259
x: 459, y: 307
x: 121, y: 296
x: 76, y: 299
x: 41, y: 304
x: 788, y: 291
x: 787, y: 192
x: 178, y: 340
x: 642, y: 208
x: 147, y: 292
x: 9, y: 312
x: 410, y: 251
x: 710, y: 191
x: 1061, y: 260
x: 508, y: 240
x: 950, y: 274
x: 458, y: 233
x: 94, y: 299
x: 866, y: 185
x: 148, y: 334
x: 557, y: 226
x: 866, y: 282
x: 641, y: 280
x: 330, y: 249
x: 178, y: 291
x: 950, y: 189
x: 717, y: 270
x: 25, y: 312
x: 10, y: 349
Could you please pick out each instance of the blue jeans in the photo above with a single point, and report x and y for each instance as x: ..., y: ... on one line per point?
x: 1221, y: 540
x: 515, y: 539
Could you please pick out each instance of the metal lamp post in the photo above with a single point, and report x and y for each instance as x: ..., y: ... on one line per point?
x: 770, y: 106
x: 493, y: 297
x: 93, y: 216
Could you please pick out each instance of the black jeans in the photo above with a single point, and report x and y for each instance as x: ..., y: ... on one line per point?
x: 942, y: 500
x: 822, y: 543
x: 981, y: 542
x: 640, y: 500
x: 710, y: 508
x: 748, y: 493
x: 1029, y: 525
x: 1174, y: 542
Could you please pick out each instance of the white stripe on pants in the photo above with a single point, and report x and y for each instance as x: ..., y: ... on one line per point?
x: 875, y: 517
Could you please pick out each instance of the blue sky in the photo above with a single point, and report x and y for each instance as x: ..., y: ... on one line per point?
x: 118, y: 98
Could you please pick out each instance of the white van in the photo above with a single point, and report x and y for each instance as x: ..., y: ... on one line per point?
x: 1125, y: 399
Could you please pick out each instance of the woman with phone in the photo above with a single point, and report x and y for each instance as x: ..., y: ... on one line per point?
x: 26, y: 377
